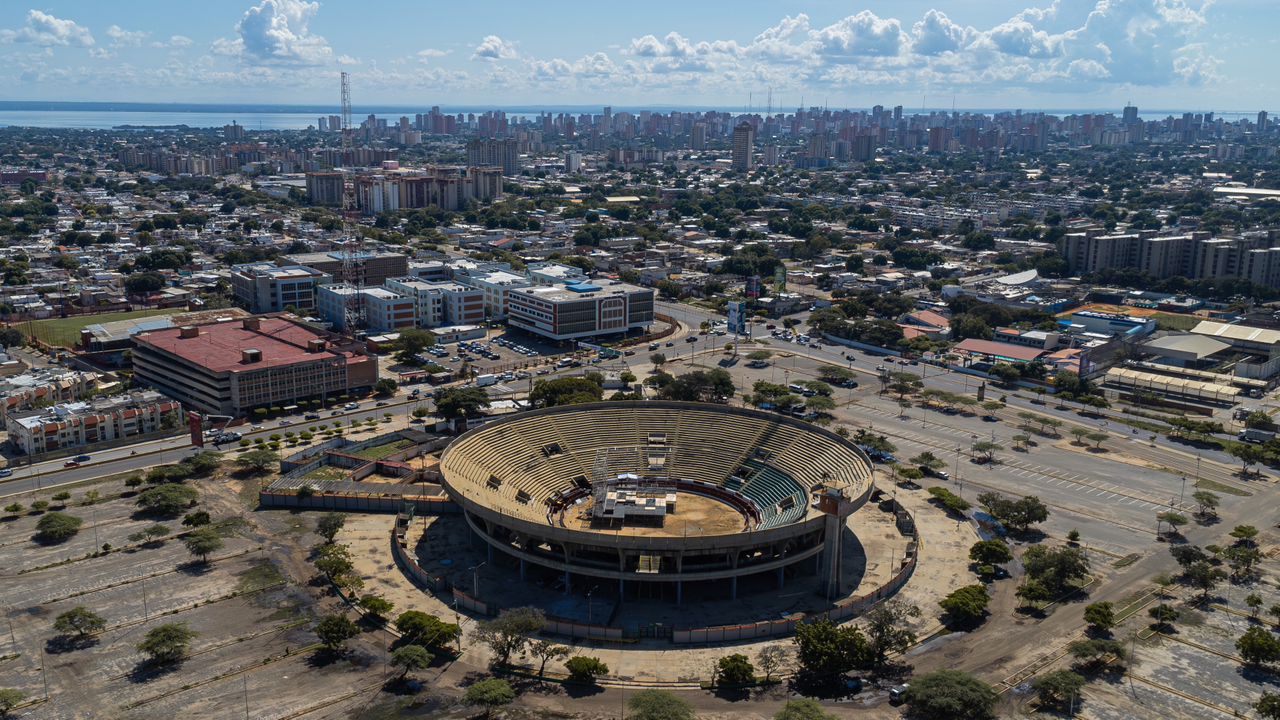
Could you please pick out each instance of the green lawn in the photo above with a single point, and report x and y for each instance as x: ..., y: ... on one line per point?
x: 65, y: 332
x: 378, y: 452
x: 1176, y: 322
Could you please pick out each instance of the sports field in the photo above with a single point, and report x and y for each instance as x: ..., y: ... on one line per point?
x: 65, y: 332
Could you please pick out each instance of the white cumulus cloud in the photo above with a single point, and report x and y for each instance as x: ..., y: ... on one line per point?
x: 126, y: 38
x: 46, y: 30
x: 278, y: 32
x: 493, y: 47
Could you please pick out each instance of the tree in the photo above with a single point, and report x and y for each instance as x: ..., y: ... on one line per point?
x: 79, y: 621
x: 334, y: 560
x: 257, y: 460
x: 585, y: 669
x: 169, y: 499
x: 1247, y: 455
x: 420, y: 628
x: 168, y: 643
x: 411, y: 657
x: 546, y: 651
x: 950, y: 501
x: 566, y: 391
x: 335, y: 630
x: 1056, y: 568
x: 825, y: 650
x: 1100, y: 616
x: 457, y: 402
x: 329, y: 525
x: 1241, y: 559
x: 1097, y: 438
x: 709, y: 386
x: 658, y: 705
x: 1080, y: 433
x: 1018, y: 515
x: 1267, y: 707
x: 990, y: 552
x: 56, y: 527
x: 1004, y: 372
x: 927, y: 460
x: 1097, y: 652
x: 1057, y: 688
x: 803, y: 709
x: 1255, y: 604
x: 385, y: 387
x: 1258, y: 646
x: 1187, y: 555
x: 987, y: 450
x: 199, y: 518
x: 735, y: 669
x: 508, y: 633
x: 10, y: 699
x: 771, y: 658
x: 966, y: 606
x: 1203, y: 577
x: 1164, y: 615
x: 951, y: 695
x: 888, y: 630
x: 658, y: 359
x: 1206, y: 502
x: 490, y: 694
x: 376, y: 605
x: 413, y: 341
x: 202, y: 542
x: 1244, y: 534
x: 151, y: 534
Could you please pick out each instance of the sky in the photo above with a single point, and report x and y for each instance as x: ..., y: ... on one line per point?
x: 1057, y: 54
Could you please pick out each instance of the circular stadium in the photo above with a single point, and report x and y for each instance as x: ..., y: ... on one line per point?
x: 656, y: 495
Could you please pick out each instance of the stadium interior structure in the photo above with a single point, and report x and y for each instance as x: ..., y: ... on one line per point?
x: 654, y: 495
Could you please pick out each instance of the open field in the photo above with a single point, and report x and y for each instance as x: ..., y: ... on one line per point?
x: 65, y: 332
x: 378, y: 452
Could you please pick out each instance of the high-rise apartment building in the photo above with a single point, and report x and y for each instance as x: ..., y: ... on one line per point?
x: 744, y: 138
x: 324, y: 188
x: 503, y: 153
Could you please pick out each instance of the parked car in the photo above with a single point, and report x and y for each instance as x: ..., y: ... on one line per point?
x: 5, y: 472
x: 82, y: 458
x: 70, y: 464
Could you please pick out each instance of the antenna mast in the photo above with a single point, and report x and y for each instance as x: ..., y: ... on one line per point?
x: 352, y: 252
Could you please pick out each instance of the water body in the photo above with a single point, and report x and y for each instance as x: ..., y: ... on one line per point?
x: 102, y: 116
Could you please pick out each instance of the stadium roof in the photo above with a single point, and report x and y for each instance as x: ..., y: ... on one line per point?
x: 1197, y: 346
x: 1239, y: 333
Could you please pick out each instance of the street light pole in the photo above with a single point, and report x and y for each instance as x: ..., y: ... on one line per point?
x: 475, y: 580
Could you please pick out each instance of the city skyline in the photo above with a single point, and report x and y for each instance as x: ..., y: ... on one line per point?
x: 1175, y: 54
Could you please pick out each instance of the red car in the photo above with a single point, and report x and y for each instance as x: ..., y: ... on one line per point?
x: 71, y: 463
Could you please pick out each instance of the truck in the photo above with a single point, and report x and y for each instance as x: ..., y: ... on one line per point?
x: 1256, y: 435
x: 486, y: 380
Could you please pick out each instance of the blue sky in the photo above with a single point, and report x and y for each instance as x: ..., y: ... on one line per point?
x: 1167, y: 54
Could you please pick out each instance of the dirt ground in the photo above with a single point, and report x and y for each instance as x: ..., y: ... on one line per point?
x: 694, y: 515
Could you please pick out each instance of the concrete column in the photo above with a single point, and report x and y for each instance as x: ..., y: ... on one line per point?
x: 522, y: 568
x: 622, y: 589
x: 781, y: 578
x: 733, y: 588
x: 568, y: 583
x: 679, y: 592
x: 488, y: 552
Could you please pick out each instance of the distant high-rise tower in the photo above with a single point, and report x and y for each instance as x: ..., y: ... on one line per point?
x: 1262, y: 121
x: 1130, y: 114
x: 744, y: 138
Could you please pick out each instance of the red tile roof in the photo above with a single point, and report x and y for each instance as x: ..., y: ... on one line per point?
x: 217, y: 347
